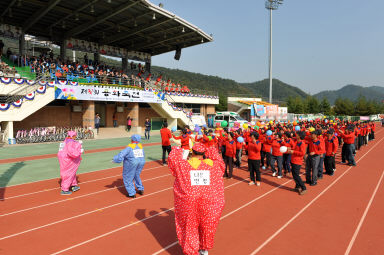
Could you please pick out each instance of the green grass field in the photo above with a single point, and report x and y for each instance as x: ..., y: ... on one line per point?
x: 36, y: 170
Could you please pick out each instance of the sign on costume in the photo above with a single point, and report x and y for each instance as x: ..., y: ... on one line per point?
x: 200, y: 177
x: 66, y: 92
x: 138, y: 153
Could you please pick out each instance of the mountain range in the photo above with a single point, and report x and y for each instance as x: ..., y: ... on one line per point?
x: 352, y: 92
x: 281, y: 91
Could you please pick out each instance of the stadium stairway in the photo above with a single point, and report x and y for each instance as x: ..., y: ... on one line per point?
x: 28, y: 106
x: 174, y: 117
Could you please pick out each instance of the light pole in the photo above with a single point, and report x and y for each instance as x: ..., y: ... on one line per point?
x: 271, y: 5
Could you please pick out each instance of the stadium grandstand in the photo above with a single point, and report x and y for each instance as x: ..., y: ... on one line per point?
x: 58, y: 65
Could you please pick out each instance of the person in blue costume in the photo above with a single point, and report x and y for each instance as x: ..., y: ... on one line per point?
x: 133, y: 159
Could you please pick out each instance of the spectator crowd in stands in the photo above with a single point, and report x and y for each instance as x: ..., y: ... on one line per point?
x: 91, y: 71
x: 7, y: 71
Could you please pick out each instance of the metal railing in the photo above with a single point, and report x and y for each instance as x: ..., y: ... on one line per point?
x: 20, y: 92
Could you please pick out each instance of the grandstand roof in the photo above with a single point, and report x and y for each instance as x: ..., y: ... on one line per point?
x: 136, y: 25
x: 255, y: 102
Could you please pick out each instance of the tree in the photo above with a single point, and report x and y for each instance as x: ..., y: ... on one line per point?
x: 325, y: 107
x: 223, y: 104
x: 291, y: 105
x: 343, y: 107
x: 299, y: 105
x: 312, y: 105
x: 361, y: 107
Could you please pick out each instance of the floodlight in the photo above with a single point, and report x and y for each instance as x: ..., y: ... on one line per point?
x: 154, y: 16
x: 92, y: 9
x: 183, y: 30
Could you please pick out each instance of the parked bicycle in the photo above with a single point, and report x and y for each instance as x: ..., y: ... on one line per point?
x: 51, y: 134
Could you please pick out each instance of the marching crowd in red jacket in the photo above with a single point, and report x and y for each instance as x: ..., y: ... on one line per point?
x: 287, y: 147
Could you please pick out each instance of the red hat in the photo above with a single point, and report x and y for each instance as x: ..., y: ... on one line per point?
x: 199, y: 147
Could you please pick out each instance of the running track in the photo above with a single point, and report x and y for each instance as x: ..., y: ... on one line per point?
x: 343, y: 214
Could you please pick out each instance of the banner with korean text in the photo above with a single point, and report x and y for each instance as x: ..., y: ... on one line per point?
x: 96, y: 93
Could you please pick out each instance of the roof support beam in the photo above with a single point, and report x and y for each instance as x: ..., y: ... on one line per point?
x: 74, y: 13
x: 39, y: 14
x: 8, y: 7
x: 123, y: 35
x: 122, y: 28
x: 100, y: 19
x: 165, y: 40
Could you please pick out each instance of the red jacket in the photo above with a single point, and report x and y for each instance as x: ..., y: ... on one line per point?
x: 316, y: 147
x: 331, y: 146
x: 276, y: 148
x: 239, y: 146
x: 289, y: 142
x: 254, y: 150
x: 230, y: 148
x: 298, y: 153
x: 348, y: 138
x: 322, y: 141
x: 267, y: 145
x: 165, y: 136
x: 184, y: 141
x: 261, y: 137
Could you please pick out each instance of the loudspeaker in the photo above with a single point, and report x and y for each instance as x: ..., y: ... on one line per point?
x: 178, y: 53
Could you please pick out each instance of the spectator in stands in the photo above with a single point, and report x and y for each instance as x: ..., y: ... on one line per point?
x: 92, y: 72
x: 86, y: 59
x: 8, y: 32
x: 186, y: 90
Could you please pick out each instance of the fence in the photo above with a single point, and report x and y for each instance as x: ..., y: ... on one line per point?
x: 293, y: 117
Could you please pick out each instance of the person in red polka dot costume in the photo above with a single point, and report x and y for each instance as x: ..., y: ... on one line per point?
x: 199, y: 196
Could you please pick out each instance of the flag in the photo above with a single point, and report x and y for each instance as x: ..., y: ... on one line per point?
x: 252, y: 110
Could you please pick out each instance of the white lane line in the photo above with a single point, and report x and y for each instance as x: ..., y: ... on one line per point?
x: 230, y: 213
x: 363, y: 217
x: 83, y: 214
x: 80, y: 183
x: 70, y: 199
x: 66, y: 219
x: 309, y: 204
x: 129, y: 225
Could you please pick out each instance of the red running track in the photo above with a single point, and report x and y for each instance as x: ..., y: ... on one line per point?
x: 341, y: 215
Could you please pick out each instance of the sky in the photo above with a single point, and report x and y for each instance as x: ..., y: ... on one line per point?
x: 317, y: 45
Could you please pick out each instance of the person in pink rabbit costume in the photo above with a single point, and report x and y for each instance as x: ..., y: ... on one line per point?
x: 69, y: 158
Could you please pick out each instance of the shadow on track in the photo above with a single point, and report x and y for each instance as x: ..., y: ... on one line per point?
x: 7, y: 176
x: 117, y: 184
x: 162, y: 226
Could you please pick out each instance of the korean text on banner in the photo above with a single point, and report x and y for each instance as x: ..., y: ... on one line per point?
x: 94, y: 93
